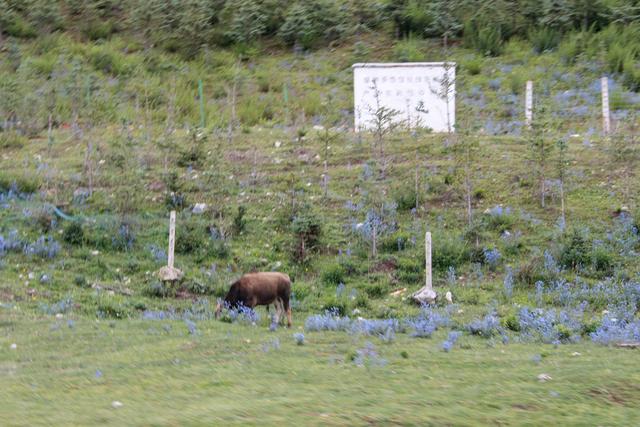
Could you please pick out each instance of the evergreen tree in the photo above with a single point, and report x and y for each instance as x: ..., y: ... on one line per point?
x: 247, y: 21
x: 444, y: 22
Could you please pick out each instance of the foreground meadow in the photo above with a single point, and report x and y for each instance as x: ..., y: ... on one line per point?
x: 73, y: 371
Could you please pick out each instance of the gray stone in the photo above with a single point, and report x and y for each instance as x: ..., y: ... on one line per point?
x: 170, y: 274
x: 199, y: 208
x: 425, y: 296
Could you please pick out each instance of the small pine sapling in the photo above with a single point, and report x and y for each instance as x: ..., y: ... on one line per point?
x: 540, y: 146
x: 625, y: 153
x: 562, y: 165
x: 384, y: 119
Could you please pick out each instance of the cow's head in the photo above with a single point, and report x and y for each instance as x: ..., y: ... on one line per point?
x: 230, y: 300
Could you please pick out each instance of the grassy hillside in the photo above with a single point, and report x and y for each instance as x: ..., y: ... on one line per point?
x: 138, y: 147
x: 100, y: 140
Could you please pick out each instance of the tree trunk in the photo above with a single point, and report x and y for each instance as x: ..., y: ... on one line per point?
x: 374, y: 247
x: 417, y: 204
x: 49, y: 135
x: 564, y: 219
x: 232, y: 119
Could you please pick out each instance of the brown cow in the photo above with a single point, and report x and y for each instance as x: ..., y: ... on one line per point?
x: 265, y: 288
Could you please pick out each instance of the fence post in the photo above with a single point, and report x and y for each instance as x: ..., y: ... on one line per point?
x: 172, y: 239
x: 606, y: 119
x: 529, y: 104
x: 427, y: 256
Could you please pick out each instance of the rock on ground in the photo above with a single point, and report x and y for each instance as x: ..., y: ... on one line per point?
x: 425, y: 296
x: 170, y: 274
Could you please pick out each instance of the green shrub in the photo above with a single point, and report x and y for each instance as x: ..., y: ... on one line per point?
x: 575, y: 251
x: 498, y: 222
x: 396, y: 242
x: 360, y: 51
x: 544, y: 39
x: 349, y: 265
x: 108, y: 62
x: 307, y: 229
x: 409, y: 50
x: 239, y: 222
x: 531, y: 271
x: 306, y: 23
x: 361, y: 301
x: 80, y: 281
x: 190, y: 238
x: 44, y: 220
x: 511, y: 322
x: 573, y: 46
x: 409, y: 270
x: 334, y: 304
x: 205, y: 286
x: 132, y: 266
x: 98, y: 29
x: 333, y: 275
x: 631, y: 74
x: 448, y: 252
x: 485, y: 38
x: 589, y: 326
x: 28, y: 184
x: 298, y: 26
x: 616, y: 56
x: 19, y: 27
x: 405, y: 198
x: 513, y: 246
x: 109, y: 308
x: 73, y: 234
x: 158, y: 289
x: 618, y: 101
x: 376, y: 290
x: 10, y: 140
x: 602, y: 261
x: 564, y: 333
x: 472, y: 66
x: 517, y: 82
x: 43, y: 65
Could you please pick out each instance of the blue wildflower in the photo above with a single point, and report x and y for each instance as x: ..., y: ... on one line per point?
x: 299, y: 338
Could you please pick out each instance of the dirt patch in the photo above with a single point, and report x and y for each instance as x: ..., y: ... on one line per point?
x: 236, y: 156
x: 385, y: 266
x: 184, y: 294
x: 624, y: 394
x: 6, y: 294
x: 525, y: 407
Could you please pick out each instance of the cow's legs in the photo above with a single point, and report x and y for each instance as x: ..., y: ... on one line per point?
x: 286, y: 307
x: 278, y: 305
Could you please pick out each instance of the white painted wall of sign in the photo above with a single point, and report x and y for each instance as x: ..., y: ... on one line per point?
x: 402, y: 86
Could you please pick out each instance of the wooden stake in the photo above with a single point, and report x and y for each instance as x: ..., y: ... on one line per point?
x: 201, y: 96
x: 606, y: 119
x: 172, y: 238
x: 50, y: 134
x: 529, y: 104
x: 427, y: 256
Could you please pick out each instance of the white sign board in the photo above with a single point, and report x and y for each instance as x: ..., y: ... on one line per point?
x: 422, y: 92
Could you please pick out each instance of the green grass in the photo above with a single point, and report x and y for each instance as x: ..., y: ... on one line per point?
x: 224, y: 376
x: 217, y: 377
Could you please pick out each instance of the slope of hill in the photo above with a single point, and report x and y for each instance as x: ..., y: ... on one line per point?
x: 126, y: 144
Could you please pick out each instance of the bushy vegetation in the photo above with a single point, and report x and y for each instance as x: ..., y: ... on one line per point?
x: 238, y: 115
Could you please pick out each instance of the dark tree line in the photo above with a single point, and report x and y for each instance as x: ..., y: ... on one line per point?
x: 186, y: 26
